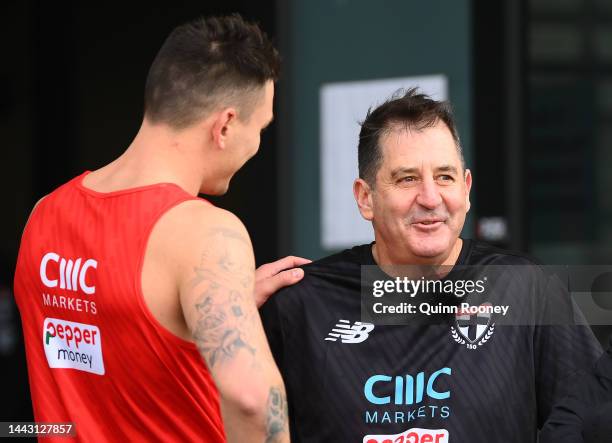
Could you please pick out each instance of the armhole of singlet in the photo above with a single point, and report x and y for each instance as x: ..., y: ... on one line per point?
x: 35, y: 208
x: 141, y: 300
x: 26, y: 230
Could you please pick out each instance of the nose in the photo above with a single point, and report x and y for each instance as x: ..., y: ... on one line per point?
x: 429, y: 195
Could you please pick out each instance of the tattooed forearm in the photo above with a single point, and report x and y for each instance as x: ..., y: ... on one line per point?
x: 276, y: 415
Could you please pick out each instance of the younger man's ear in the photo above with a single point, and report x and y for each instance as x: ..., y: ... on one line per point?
x: 222, y: 125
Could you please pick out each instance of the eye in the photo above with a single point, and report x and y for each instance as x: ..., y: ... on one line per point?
x: 407, y: 179
x: 446, y: 178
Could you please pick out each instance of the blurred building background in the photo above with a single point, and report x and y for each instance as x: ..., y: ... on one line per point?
x: 530, y: 81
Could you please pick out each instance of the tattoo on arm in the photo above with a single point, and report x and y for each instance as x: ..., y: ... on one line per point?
x: 222, y: 322
x: 276, y: 415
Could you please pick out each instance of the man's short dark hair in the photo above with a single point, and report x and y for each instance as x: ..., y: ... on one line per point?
x: 410, y: 109
x: 206, y: 63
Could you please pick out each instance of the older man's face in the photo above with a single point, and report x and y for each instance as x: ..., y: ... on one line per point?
x: 421, y: 196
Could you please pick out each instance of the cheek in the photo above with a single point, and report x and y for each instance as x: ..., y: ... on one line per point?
x: 393, y: 205
x: 456, y: 200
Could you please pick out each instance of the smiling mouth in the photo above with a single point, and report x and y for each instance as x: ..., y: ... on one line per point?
x: 428, y: 225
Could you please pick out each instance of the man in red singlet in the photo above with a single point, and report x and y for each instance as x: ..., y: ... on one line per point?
x: 126, y: 280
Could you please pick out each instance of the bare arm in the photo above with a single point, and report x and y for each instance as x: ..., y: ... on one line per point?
x: 216, y: 294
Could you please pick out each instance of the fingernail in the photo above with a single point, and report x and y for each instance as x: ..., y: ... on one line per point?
x: 297, y: 272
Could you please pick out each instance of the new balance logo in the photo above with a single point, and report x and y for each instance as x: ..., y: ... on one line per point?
x: 357, y: 333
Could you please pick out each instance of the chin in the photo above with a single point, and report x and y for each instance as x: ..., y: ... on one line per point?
x: 430, y: 248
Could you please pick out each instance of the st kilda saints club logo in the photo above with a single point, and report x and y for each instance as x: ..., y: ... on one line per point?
x: 473, y: 327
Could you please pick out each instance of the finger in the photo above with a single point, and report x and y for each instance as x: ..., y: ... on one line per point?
x: 299, y: 261
x: 280, y: 280
x: 266, y: 287
x: 288, y: 262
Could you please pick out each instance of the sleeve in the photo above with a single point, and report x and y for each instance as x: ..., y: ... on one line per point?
x: 274, y: 316
x: 564, y: 345
x: 272, y: 322
x: 584, y: 414
x: 597, y: 426
x: 564, y: 424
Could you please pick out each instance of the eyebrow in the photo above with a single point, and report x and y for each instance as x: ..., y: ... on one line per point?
x: 447, y: 168
x: 406, y: 171
x: 402, y: 171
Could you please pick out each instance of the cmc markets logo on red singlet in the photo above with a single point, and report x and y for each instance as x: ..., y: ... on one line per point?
x: 414, y: 435
x: 56, y: 271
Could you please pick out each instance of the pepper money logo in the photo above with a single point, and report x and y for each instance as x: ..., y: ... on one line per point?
x: 73, y: 345
x: 413, y: 435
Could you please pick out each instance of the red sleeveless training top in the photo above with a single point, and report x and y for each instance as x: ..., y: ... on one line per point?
x: 96, y: 355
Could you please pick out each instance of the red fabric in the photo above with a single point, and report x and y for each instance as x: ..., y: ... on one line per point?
x: 118, y: 374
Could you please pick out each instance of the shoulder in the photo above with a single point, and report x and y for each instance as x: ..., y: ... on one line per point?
x: 327, y: 284
x: 518, y: 270
x: 195, y: 227
x: 36, y: 206
x: 482, y: 253
x: 340, y: 270
x: 344, y: 263
x: 349, y: 259
x: 197, y: 220
x: 194, y: 216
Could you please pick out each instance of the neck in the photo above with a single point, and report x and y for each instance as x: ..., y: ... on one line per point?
x: 384, y: 256
x: 157, y: 154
